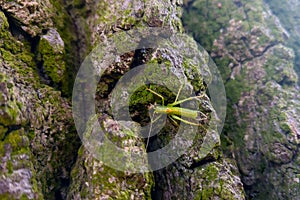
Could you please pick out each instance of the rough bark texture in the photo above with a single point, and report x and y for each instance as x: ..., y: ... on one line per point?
x: 42, y: 44
x: 262, y: 129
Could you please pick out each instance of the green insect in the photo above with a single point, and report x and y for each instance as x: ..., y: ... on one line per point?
x: 174, y: 112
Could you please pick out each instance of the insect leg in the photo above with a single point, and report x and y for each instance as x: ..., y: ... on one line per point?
x: 173, y: 120
x: 178, y: 93
x: 162, y: 98
x: 201, y: 116
x: 149, y: 136
x: 156, y: 118
x: 185, y: 121
x: 151, y: 129
x: 187, y: 99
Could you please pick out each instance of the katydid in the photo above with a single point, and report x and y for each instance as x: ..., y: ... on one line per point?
x: 173, y: 111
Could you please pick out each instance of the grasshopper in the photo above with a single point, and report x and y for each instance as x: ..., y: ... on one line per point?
x: 174, y: 112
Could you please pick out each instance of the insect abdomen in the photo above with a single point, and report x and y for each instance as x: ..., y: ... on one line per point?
x: 177, y: 111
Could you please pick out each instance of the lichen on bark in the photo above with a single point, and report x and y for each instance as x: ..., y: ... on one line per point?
x: 37, y: 124
x: 39, y: 144
x: 261, y: 131
x: 186, y: 67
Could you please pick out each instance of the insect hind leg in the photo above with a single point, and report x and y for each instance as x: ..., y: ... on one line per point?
x: 150, y: 130
x: 185, y: 121
x: 178, y: 94
x: 153, y: 92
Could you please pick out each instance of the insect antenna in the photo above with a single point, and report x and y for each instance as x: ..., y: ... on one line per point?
x: 150, y: 129
x: 201, y: 116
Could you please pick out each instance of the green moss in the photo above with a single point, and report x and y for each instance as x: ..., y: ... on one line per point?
x: 9, y: 45
x: 113, y: 187
x: 52, y: 61
x: 24, y: 197
x: 235, y: 88
x: 17, y: 141
x: 31, y: 135
x: 6, y: 196
x: 8, y: 116
x: 2, y: 149
x: 196, y: 79
x: 205, y: 20
x: 65, y: 26
x: 3, y: 22
x: 285, y: 127
x: 35, y: 187
x: 9, y: 167
x: 7, y: 56
x: 270, y: 137
x: 211, y: 174
x: 15, y: 53
x: 129, y: 21
x: 26, y: 58
x: 279, y: 67
x: 80, y: 151
x: 2, y: 131
x: 263, y: 40
x: 142, y: 96
x: 234, y: 132
x: 110, y: 181
x: 9, y: 85
x: 223, y: 66
x: 254, y: 12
